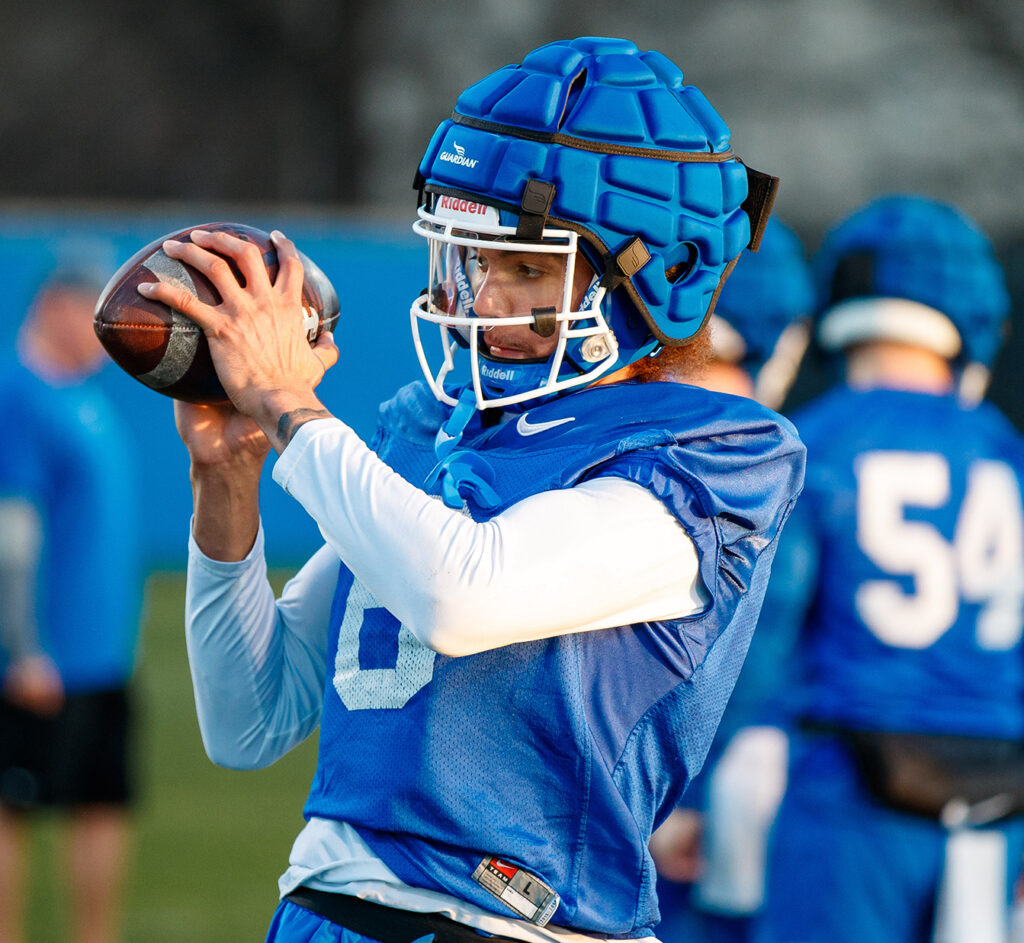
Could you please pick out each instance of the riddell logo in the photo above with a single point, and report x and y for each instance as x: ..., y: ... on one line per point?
x: 495, y: 373
x: 459, y: 157
x: 461, y: 206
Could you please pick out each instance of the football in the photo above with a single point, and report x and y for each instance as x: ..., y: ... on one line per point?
x: 167, y: 351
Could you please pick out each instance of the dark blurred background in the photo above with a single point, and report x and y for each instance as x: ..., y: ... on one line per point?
x: 330, y: 102
x: 128, y: 120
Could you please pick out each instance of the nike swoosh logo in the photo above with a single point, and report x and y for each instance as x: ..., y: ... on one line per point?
x: 525, y: 427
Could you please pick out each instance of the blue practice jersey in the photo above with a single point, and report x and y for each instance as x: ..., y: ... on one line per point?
x: 913, y: 509
x: 70, y: 458
x: 558, y: 756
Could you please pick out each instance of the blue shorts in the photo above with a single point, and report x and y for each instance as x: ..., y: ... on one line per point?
x: 295, y: 924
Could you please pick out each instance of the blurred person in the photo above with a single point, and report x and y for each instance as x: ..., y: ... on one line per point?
x: 901, y: 817
x: 70, y: 595
x: 761, y: 324
x: 514, y: 683
x: 710, y: 851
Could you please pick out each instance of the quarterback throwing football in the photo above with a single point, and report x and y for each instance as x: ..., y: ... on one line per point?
x: 539, y: 580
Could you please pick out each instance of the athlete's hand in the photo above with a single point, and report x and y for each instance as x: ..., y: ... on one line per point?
x: 256, y: 336
x: 676, y: 846
x: 227, y: 451
x: 34, y: 684
x: 220, y: 436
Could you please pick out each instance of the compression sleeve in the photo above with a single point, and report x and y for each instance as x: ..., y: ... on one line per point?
x: 258, y: 666
x: 604, y: 553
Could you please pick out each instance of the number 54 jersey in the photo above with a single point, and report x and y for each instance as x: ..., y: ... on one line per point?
x: 913, y: 503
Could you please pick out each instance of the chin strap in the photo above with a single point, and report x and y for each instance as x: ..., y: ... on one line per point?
x: 761, y: 191
x: 460, y: 473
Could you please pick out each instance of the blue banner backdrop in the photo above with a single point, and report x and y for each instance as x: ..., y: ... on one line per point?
x: 377, y: 269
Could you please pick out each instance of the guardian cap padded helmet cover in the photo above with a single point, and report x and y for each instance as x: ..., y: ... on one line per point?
x: 915, y: 248
x: 594, y: 137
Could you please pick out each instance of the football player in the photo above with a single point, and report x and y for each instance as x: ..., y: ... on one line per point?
x: 710, y: 852
x: 71, y: 592
x: 901, y: 819
x: 539, y: 582
x: 761, y: 325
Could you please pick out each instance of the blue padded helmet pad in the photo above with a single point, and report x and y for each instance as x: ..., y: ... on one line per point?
x: 631, y: 151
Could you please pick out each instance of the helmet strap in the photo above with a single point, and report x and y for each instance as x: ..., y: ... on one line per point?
x: 972, y: 383
x: 624, y: 264
x: 545, y: 320
x: 761, y: 191
x: 534, y: 208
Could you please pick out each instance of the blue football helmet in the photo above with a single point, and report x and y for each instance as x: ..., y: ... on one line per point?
x: 588, y: 146
x: 761, y: 320
x: 912, y: 269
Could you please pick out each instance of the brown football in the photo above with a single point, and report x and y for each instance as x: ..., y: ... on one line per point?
x: 167, y: 351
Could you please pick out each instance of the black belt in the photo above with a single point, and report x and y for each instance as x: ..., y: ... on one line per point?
x: 386, y: 924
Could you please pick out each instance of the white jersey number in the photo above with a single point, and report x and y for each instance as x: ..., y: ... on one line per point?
x: 984, y: 563
x: 377, y: 688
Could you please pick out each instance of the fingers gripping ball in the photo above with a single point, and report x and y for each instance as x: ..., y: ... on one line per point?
x: 166, y: 350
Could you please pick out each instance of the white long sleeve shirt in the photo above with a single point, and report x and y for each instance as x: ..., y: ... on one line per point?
x: 259, y: 664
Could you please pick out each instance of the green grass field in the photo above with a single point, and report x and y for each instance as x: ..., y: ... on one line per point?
x: 209, y: 843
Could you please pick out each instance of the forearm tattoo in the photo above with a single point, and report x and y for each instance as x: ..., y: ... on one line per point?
x: 291, y: 422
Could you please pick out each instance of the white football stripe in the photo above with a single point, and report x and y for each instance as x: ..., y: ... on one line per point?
x: 170, y: 271
x: 310, y: 322
x: 184, y: 339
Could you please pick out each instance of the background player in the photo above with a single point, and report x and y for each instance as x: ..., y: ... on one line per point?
x: 905, y: 777
x: 710, y: 852
x: 463, y: 776
x: 71, y: 587
x: 761, y: 324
